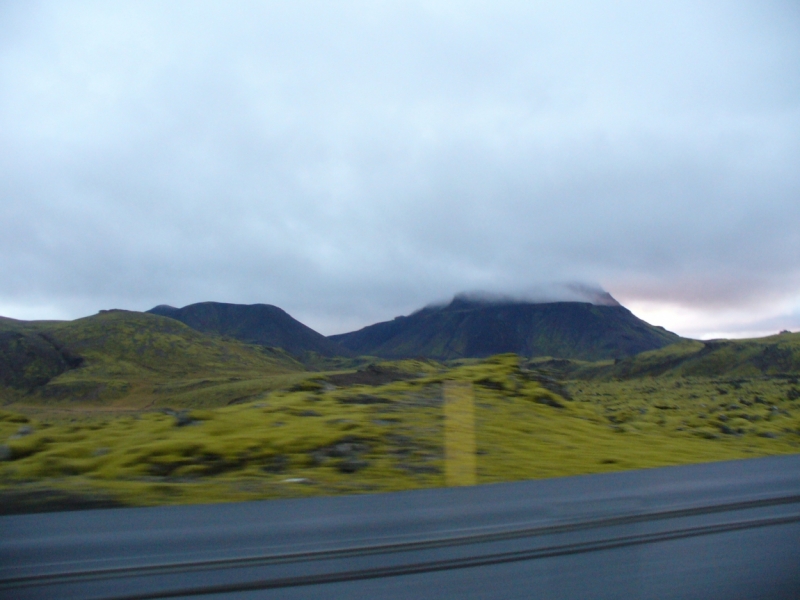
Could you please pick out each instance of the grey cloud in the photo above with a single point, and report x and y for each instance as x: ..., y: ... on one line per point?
x: 354, y: 161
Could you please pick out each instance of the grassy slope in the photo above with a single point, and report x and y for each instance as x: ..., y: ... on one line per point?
x: 135, y: 359
x: 313, y: 438
x: 773, y: 356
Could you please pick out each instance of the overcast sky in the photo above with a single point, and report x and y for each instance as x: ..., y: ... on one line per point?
x: 353, y: 161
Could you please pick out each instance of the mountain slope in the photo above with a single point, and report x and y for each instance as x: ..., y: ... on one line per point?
x: 261, y: 324
x: 153, y: 344
x: 30, y: 357
x: 108, y: 355
x: 467, y: 328
x: 772, y: 356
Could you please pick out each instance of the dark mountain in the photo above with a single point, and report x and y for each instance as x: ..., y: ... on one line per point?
x: 468, y: 328
x: 261, y: 324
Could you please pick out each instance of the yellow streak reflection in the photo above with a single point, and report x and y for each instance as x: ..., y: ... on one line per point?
x: 459, y: 434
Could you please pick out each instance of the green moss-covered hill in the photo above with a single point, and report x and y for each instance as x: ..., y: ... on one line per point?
x: 118, y: 355
x: 772, y: 356
x: 466, y: 328
x: 261, y: 324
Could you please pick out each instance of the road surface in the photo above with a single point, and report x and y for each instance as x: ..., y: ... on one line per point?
x: 723, y: 530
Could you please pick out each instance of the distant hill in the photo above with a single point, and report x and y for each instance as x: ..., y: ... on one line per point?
x: 773, y: 356
x: 261, y: 324
x: 108, y: 354
x: 468, y: 328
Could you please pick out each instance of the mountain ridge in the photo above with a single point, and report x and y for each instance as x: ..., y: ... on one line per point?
x: 474, y: 328
x: 261, y: 324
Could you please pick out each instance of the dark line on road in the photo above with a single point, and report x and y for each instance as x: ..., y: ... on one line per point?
x: 463, y: 563
x: 177, y: 568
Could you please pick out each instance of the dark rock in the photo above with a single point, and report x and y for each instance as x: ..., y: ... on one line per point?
x: 182, y: 419
x: 348, y: 448
x: 276, y: 464
x: 768, y: 434
x: 340, y: 450
x: 352, y: 464
x: 398, y: 438
x: 548, y: 401
x: 793, y: 394
x: 308, y: 385
x: 5, y: 452
x: 318, y: 457
x: 364, y: 399
x: 491, y: 384
x: 419, y: 469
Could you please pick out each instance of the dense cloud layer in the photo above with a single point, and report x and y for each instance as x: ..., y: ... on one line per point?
x: 354, y: 161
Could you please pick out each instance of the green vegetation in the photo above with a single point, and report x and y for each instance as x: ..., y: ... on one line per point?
x: 773, y: 356
x: 127, y: 408
x: 119, y: 360
x: 329, y: 433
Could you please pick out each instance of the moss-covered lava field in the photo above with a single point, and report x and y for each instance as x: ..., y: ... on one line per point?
x: 377, y: 428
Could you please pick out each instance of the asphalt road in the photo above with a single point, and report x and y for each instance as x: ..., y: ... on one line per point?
x: 724, y: 530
